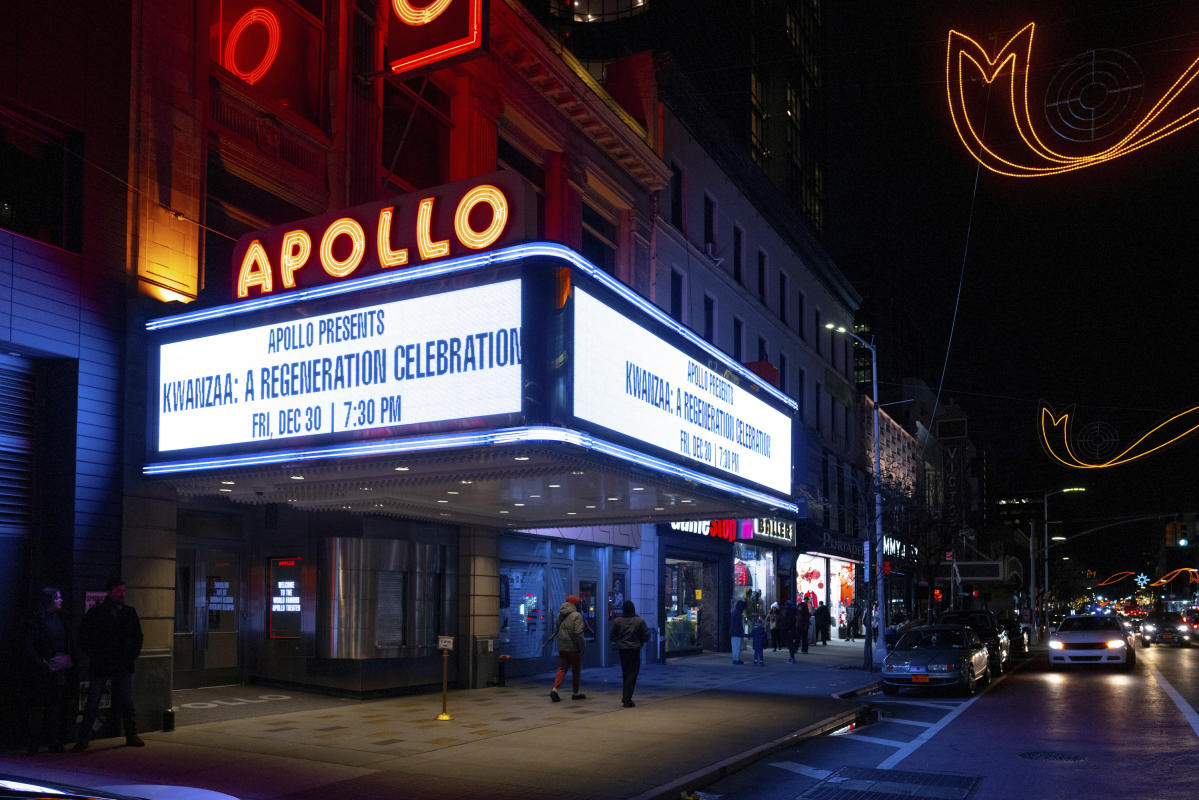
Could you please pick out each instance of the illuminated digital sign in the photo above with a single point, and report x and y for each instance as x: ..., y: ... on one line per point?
x: 426, y: 359
x: 286, y: 600
x: 630, y: 381
x: 448, y: 221
x: 967, y: 61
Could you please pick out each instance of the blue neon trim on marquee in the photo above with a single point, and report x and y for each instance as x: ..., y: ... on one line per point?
x: 504, y: 436
x: 463, y: 264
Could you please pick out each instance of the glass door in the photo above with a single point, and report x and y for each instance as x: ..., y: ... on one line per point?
x: 208, y: 605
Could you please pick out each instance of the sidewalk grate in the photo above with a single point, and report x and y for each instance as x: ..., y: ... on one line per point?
x: 1052, y: 755
x: 861, y: 783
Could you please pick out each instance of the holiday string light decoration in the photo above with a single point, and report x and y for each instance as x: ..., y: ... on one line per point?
x: 966, y: 59
x: 1056, y: 440
x: 1116, y: 578
x: 1192, y: 573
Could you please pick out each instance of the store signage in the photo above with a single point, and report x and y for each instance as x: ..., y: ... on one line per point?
x: 630, y: 381
x: 718, y: 528
x: 428, y: 359
x: 448, y: 221
x: 286, y: 603
x: 424, y: 32
x: 779, y: 530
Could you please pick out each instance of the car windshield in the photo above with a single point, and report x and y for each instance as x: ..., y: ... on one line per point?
x: 1164, y: 618
x: 1090, y: 624
x: 980, y: 622
x: 931, y: 640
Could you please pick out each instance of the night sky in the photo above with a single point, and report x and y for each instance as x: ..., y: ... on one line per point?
x: 1077, y: 289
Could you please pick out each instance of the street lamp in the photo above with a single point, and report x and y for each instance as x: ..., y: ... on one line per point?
x: 1045, y: 531
x: 880, y: 646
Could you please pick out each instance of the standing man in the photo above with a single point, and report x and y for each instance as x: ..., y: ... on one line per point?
x: 737, y: 629
x: 47, y: 659
x: 851, y: 618
x: 629, y: 632
x: 823, y: 621
x: 111, y: 636
x: 803, y: 620
x: 570, y: 648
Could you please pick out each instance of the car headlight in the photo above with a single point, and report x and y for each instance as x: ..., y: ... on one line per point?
x: 1054, y: 644
x: 1147, y: 626
x: 1115, y: 644
x: 1182, y: 628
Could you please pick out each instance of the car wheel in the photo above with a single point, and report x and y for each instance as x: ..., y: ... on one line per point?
x: 1144, y: 642
x: 970, y: 683
x: 1130, y: 662
x: 889, y: 689
x: 987, y: 676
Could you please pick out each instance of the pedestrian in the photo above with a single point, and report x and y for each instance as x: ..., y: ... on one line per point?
x: 874, y: 622
x: 570, y: 648
x: 787, y: 629
x: 851, y: 620
x: 758, y: 636
x: 823, y: 622
x: 737, y: 629
x: 803, y: 619
x: 47, y: 659
x: 629, y: 632
x: 111, y: 637
x: 772, y: 625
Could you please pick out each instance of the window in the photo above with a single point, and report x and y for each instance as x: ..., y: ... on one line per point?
x: 709, y: 225
x: 762, y: 354
x: 762, y: 277
x: 676, y: 294
x: 738, y: 332
x: 599, y: 239
x: 800, y: 311
x: 819, y: 330
x: 801, y: 393
x: 819, y: 408
x: 709, y: 318
x: 782, y: 372
x: 676, y: 196
x: 738, y: 267
x: 420, y: 159
x: 40, y: 186
x: 783, y: 297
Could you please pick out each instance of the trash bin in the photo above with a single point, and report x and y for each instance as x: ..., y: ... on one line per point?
x: 500, y: 679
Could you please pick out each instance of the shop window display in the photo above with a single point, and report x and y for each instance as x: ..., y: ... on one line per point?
x: 754, y: 578
x: 522, y: 610
x: 689, y: 615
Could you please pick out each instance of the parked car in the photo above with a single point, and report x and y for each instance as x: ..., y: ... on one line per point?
x: 987, y: 626
x: 927, y: 656
x: 13, y: 787
x: 1092, y: 639
x: 1166, y: 627
x: 1017, y: 635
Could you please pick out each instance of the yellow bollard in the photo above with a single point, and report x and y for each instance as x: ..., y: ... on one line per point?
x: 445, y: 671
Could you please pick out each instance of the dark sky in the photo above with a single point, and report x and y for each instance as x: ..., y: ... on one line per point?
x: 1077, y: 289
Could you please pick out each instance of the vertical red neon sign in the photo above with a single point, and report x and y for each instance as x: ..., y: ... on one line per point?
x: 420, y: 34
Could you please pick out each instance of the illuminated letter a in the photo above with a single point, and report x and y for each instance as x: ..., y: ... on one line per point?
x: 255, y: 270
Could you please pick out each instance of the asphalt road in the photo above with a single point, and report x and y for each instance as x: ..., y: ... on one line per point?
x: 1032, y: 735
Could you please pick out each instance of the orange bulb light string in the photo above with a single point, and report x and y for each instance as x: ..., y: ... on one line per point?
x: 967, y: 59
x: 1116, y: 578
x: 1055, y: 438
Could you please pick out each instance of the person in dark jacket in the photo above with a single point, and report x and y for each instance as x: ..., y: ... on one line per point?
x: 737, y: 629
x: 570, y: 648
x: 803, y: 619
x: 757, y: 635
x: 823, y: 622
x: 629, y: 632
x: 787, y: 629
x: 47, y: 659
x: 111, y: 636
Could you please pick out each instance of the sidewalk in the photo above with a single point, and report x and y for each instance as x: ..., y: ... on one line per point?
x: 697, y: 718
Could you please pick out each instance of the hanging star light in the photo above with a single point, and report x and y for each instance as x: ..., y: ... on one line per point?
x: 967, y: 60
x: 1142, y: 579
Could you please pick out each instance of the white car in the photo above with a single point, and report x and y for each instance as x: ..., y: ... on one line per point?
x: 1091, y: 639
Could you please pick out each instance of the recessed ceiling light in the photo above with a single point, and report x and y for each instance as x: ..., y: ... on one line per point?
x: 297, y: 477
x: 685, y: 501
x: 613, y: 499
x: 519, y: 505
x: 367, y: 489
x: 588, y: 506
x: 401, y: 469
x: 659, y: 508
x: 571, y: 513
x: 520, y: 458
x: 451, y: 491
x: 444, y: 514
x: 638, y: 488
x: 466, y: 483
x: 226, y: 490
x: 555, y: 486
x: 443, y: 501
x: 577, y: 472
x: 229, y: 483
x: 534, y: 496
x: 503, y: 511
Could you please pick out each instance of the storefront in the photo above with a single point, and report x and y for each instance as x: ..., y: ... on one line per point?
x: 829, y: 572
x: 696, y: 565
x: 397, y: 434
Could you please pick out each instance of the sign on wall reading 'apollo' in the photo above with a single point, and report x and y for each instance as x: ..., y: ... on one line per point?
x: 635, y: 383
x: 436, y: 358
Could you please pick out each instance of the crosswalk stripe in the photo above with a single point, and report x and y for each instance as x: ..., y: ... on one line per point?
x: 857, y: 737
x: 907, y: 722
x: 802, y: 769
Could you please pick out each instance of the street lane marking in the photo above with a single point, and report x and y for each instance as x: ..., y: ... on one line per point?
x: 1191, y: 717
x: 802, y: 769
x: 924, y: 703
x: 914, y: 745
x: 907, y: 722
x: 857, y: 737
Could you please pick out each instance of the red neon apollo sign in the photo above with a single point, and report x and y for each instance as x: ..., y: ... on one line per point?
x: 419, y: 34
x: 457, y: 219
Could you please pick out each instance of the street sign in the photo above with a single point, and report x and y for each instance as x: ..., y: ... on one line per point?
x: 445, y: 642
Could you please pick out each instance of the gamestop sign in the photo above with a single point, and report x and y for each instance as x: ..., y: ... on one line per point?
x: 429, y: 359
x: 630, y: 381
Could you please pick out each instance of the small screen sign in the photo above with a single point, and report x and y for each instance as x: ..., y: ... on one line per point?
x: 286, y: 600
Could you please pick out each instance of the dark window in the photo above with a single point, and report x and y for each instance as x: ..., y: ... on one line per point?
x: 761, y: 276
x: 676, y: 196
x: 782, y: 372
x: 801, y: 388
x: 762, y: 354
x: 676, y: 295
x: 738, y: 275
x: 737, y: 335
x: 783, y: 297
x: 599, y: 240
x: 800, y: 311
x: 709, y: 225
x: 709, y: 318
x: 819, y: 330
x: 40, y: 184
x: 511, y: 158
x: 416, y: 134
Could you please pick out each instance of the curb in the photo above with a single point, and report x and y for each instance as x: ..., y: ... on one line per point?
x: 730, y: 765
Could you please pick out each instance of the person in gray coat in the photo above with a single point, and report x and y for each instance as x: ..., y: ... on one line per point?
x: 569, y: 631
x: 629, y: 632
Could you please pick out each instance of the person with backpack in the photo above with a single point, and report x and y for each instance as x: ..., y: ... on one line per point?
x: 570, y: 648
x: 629, y: 632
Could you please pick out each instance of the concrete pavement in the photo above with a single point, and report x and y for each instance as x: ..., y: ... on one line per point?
x: 697, y: 718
